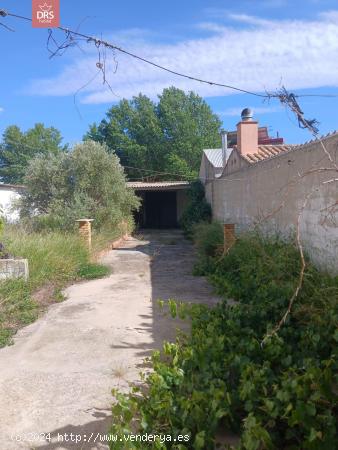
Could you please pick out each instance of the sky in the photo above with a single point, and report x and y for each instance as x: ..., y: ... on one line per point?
x: 255, y: 45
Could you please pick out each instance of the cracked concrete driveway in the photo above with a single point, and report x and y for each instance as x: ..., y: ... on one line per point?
x: 58, y: 375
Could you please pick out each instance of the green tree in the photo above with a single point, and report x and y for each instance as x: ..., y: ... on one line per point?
x: 18, y: 148
x: 165, y: 137
x: 87, y: 182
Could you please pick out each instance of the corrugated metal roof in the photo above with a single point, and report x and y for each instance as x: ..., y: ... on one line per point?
x: 215, y: 157
x: 158, y: 185
x: 12, y: 187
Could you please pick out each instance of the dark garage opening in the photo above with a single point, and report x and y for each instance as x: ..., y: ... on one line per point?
x: 159, y: 210
x: 162, y: 203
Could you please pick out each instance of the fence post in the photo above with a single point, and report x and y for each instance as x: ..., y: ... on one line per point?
x: 85, y: 231
x: 229, y: 236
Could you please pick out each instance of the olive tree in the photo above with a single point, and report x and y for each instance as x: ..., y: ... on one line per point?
x: 86, y: 182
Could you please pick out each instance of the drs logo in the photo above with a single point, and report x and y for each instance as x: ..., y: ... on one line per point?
x: 45, y: 13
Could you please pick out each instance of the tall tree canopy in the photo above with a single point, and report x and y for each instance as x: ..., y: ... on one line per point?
x: 167, y: 136
x: 18, y: 148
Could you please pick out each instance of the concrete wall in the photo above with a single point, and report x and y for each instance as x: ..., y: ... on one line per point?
x: 235, y: 162
x: 209, y: 187
x: 13, y: 268
x: 207, y: 170
x: 182, y: 202
x: 271, y: 193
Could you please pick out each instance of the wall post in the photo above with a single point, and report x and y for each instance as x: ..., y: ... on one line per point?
x: 85, y: 231
x: 229, y: 236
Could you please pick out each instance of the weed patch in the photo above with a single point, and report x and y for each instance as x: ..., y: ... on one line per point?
x: 55, y: 259
x: 91, y: 271
x: 281, y: 395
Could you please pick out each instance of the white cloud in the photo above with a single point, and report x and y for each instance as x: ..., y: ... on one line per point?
x: 301, y: 54
x: 330, y: 16
x: 212, y: 27
x: 251, y: 20
x: 257, y: 110
x: 1, y: 110
x: 246, y: 5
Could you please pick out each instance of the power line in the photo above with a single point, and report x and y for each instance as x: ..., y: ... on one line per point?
x: 99, y: 42
x: 40, y: 146
x: 106, y: 44
x: 282, y: 94
x: 160, y: 173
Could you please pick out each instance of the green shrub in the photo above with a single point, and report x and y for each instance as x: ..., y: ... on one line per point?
x: 208, y: 240
x: 198, y: 210
x: 278, y: 395
x: 86, y: 182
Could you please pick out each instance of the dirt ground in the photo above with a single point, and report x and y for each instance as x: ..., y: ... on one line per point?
x: 58, y: 375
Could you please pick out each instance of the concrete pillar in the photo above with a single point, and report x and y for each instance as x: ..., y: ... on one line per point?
x: 85, y: 231
x: 229, y: 236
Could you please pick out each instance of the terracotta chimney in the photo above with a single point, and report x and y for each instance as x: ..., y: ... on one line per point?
x: 247, y: 133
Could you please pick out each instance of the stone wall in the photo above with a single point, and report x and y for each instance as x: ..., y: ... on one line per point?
x: 13, y: 268
x: 272, y: 193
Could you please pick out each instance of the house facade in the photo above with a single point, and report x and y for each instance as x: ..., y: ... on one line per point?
x: 9, y: 194
x: 280, y: 188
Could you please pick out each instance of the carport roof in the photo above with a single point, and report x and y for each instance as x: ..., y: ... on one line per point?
x: 158, y: 185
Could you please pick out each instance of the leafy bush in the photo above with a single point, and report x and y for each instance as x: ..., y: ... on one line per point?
x: 208, y: 239
x: 279, y: 395
x: 198, y: 209
x: 86, y: 182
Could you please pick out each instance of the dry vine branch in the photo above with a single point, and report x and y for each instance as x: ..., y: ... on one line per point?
x: 289, y: 99
x: 328, y: 154
x: 301, y: 274
x: 330, y: 212
x: 298, y: 237
x: 291, y: 184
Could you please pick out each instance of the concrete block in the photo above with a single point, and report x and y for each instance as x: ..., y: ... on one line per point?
x: 14, y: 268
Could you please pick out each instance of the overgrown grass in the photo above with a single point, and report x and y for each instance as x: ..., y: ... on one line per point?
x: 55, y: 259
x: 280, y: 394
x: 90, y: 271
x: 102, y: 240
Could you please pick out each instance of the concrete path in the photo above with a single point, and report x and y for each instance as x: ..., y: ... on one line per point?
x: 58, y: 375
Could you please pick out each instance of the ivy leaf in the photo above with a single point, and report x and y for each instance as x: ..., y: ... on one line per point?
x: 199, y: 441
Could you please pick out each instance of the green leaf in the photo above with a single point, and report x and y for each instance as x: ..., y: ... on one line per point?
x: 199, y: 440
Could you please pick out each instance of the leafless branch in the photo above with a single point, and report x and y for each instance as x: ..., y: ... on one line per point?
x: 289, y: 99
x: 301, y: 273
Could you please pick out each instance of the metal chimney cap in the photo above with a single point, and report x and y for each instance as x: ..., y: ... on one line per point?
x: 246, y: 114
